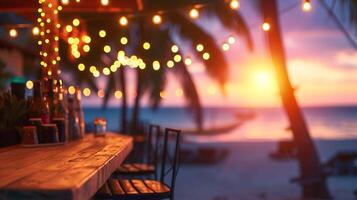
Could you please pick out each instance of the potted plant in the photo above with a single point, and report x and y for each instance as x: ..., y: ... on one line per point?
x: 13, y: 113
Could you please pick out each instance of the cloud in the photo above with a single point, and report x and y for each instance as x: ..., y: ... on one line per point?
x: 347, y: 58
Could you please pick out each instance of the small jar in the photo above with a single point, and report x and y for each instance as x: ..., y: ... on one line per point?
x: 100, y: 126
x: 29, y: 135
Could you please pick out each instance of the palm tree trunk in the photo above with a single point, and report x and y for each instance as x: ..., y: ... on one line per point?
x: 312, y: 179
x: 124, y: 106
x: 136, y: 108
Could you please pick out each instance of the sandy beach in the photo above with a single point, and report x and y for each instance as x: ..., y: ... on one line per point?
x: 249, y: 174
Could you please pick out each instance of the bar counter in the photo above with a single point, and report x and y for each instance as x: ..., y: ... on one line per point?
x: 75, y: 170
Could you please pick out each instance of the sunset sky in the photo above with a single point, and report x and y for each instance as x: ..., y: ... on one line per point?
x: 321, y: 62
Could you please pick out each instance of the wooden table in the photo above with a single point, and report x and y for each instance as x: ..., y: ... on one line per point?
x: 75, y: 170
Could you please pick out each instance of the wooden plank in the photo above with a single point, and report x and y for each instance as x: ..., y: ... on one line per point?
x: 128, y: 187
x: 72, y: 171
x: 141, y: 187
x: 157, y: 186
x: 116, y: 188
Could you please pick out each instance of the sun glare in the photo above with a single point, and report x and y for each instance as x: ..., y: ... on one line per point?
x: 264, y: 80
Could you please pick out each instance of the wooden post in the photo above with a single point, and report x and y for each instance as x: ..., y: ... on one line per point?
x: 49, y: 31
x: 312, y: 179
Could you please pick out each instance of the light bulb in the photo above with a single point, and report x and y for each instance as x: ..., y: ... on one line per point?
x: 123, y: 21
x: 156, y: 19
x: 194, y: 13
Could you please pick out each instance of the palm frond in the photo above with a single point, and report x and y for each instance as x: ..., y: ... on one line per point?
x: 216, y: 66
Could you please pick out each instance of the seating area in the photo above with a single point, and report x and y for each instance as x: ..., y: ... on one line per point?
x: 153, y: 179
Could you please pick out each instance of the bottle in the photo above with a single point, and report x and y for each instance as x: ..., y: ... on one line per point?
x: 73, y: 121
x: 39, y: 107
x: 79, y: 110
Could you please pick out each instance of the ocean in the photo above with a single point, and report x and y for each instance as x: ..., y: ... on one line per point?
x: 337, y: 122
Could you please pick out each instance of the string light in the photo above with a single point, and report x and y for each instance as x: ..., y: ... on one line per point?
x: 107, y: 49
x: 86, y: 92
x: 266, y: 26
x: 199, y: 47
x: 118, y: 94
x: 179, y: 92
x: 234, y: 4
x: 75, y: 22
x: 96, y: 74
x: 104, y: 2
x: 35, y: 31
x: 106, y: 71
x: 71, y: 90
x: 69, y: 28
x: 86, y: 48
x: 156, y: 19
x: 29, y: 84
x: 194, y: 13
x: 177, y: 58
x: 102, y: 33
x: 188, y: 61
x: 123, y: 21
x: 156, y: 65
x: 174, y: 48
x: 81, y: 67
x: 92, y: 69
x: 231, y: 39
x: 225, y: 46
x: 101, y: 93
x: 146, y: 45
x: 13, y: 33
x: 170, y: 64
x: 65, y: 2
x: 86, y: 39
x: 163, y: 94
x: 206, y: 56
x: 124, y: 40
x: 306, y: 6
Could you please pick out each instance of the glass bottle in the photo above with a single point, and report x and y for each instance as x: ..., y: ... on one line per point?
x: 79, y: 110
x: 73, y: 121
x: 39, y: 107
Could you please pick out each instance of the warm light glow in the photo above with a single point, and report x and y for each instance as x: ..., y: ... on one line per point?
x: 13, y: 32
x: 170, y: 64
x: 234, y: 4
x: 102, y: 33
x: 194, y: 13
x: 156, y: 19
x: 35, y: 31
x: 179, y: 92
x: 86, y: 48
x: 65, y: 2
x: 101, y: 93
x: 104, y: 2
x: 81, y: 67
x: 75, y: 22
x: 266, y: 26
x: 69, y: 28
x: 264, y: 81
x: 114, y: 68
x: 146, y: 45
x: 231, y: 39
x: 29, y: 84
x: 174, y: 48
x: 163, y: 94
x: 71, y: 90
x: 206, y: 56
x: 86, y: 92
x: 123, y: 21
x: 199, y: 47
x: 86, y: 39
x: 96, y: 74
x: 118, y: 94
x: 106, y: 71
x: 92, y: 69
x: 225, y: 46
x: 124, y: 40
x: 156, y: 65
x: 306, y: 6
x: 177, y: 58
x: 107, y: 49
x: 188, y: 61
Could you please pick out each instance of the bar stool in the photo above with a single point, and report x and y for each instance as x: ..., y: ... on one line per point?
x: 130, y: 189
x: 147, y: 168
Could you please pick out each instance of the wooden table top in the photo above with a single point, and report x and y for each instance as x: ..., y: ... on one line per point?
x: 75, y: 170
